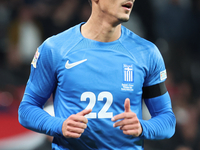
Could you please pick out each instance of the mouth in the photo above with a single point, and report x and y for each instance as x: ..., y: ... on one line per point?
x: 127, y: 5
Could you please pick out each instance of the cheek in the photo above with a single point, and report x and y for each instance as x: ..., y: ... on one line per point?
x: 108, y: 6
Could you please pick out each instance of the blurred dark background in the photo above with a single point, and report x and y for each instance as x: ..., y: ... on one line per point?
x: 173, y: 25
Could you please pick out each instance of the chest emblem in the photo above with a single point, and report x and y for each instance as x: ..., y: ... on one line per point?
x: 128, y: 77
x: 128, y: 73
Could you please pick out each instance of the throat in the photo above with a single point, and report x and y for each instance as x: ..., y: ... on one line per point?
x: 101, y: 33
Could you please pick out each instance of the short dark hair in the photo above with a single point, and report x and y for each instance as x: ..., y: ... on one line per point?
x: 90, y: 2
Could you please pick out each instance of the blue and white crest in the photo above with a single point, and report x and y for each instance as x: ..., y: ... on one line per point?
x: 128, y: 73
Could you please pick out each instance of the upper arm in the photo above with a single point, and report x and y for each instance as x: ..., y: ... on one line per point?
x: 155, y: 92
x: 42, y: 80
x: 157, y: 99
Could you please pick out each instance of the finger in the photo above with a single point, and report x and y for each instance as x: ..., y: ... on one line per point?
x: 127, y: 105
x: 129, y: 127
x: 84, y: 112
x: 124, y: 122
x: 135, y: 133
x: 123, y: 116
x: 74, y: 130
x: 78, y: 118
x: 119, y: 123
x: 77, y: 124
x: 117, y: 117
x: 71, y: 135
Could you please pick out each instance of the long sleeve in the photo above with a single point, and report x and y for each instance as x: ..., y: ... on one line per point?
x: 40, y: 86
x: 163, y: 121
x: 33, y: 117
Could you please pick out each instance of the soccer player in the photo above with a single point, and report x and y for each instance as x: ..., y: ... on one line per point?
x: 98, y: 72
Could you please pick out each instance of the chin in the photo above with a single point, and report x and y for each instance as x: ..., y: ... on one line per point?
x: 124, y: 19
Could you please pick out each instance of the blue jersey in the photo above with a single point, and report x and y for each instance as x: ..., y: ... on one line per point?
x: 83, y: 73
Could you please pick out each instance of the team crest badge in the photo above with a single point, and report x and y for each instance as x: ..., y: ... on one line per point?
x: 128, y: 77
x: 35, y: 58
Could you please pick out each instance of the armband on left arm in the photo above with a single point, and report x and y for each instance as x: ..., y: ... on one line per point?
x: 154, y: 90
x: 162, y: 123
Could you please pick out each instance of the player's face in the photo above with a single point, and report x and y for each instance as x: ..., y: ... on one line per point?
x: 117, y: 9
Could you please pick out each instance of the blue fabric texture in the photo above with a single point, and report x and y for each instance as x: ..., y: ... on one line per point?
x: 80, y: 72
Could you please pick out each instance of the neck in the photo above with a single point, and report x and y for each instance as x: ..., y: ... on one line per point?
x: 100, y: 30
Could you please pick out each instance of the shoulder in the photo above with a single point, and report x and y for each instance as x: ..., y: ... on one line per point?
x: 138, y: 45
x: 68, y: 36
x: 58, y: 45
x: 136, y: 40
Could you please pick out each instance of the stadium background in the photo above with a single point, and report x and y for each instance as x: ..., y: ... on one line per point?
x: 173, y: 25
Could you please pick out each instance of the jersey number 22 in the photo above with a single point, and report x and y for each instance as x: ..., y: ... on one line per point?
x: 92, y: 101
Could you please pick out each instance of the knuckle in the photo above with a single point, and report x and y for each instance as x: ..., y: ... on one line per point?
x: 137, y: 133
x: 123, y: 128
x: 70, y: 122
x: 138, y: 125
x: 66, y: 134
x: 86, y: 120
x: 134, y: 114
x: 120, y: 123
x: 85, y: 126
x: 72, y: 116
x: 127, y: 132
x: 75, y: 124
x: 82, y: 131
x: 83, y: 119
x: 125, y: 115
x: 79, y: 131
x: 78, y: 135
x: 137, y: 121
x: 68, y: 128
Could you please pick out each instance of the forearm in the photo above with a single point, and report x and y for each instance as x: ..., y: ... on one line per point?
x: 160, y: 127
x: 33, y: 117
x: 163, y: 121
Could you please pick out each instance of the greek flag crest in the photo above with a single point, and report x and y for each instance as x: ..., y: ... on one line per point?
x: 128, y: 72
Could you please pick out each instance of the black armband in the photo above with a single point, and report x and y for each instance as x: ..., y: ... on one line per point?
x: 154, y: 90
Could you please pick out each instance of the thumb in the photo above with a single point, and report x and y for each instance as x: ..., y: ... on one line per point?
x: 84, y: 112
x: 127, y: 105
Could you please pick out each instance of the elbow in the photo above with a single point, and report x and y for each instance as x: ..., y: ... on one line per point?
x: 168, y: 128
x: 172, y: 125
x: 20, y: 116
x: 23, y: 114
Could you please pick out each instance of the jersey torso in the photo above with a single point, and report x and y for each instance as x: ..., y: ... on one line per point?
x: 92, y: 74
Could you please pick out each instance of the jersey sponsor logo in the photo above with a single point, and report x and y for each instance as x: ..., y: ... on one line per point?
x: 163, y: 75
x: 128, y: 78
x: 69, y: 66
x: 35, y: 59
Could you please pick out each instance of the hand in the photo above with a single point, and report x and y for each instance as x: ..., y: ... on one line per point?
x: 129, y: 124
x: 75, y: 124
